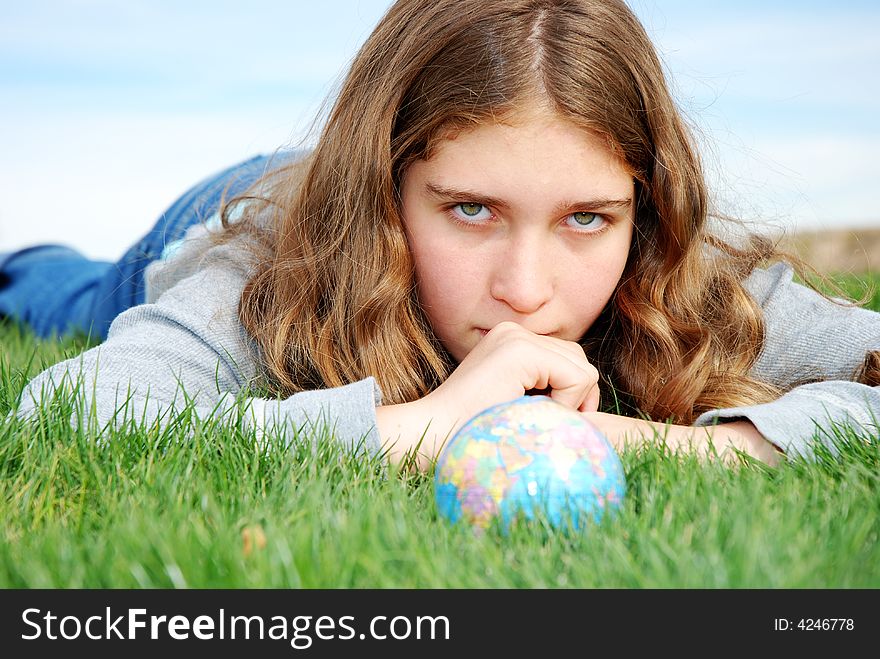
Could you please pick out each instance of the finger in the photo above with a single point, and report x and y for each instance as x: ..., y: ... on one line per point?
x: 576, y: 356
x: 572, y: 397
x: 591, y: 402
x: 583, y: 396
x: 546, y: 363
x: 569, y: 383
x: 570, y: 349
x: 505, y: 330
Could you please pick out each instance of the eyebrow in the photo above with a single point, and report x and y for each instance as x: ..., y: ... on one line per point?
x: 442, y: 192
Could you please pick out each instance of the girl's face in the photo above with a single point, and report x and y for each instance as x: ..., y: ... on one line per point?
x: 528, y: 221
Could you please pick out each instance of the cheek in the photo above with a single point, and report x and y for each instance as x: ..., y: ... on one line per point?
x: 587, y: 295
x: 444, y: 281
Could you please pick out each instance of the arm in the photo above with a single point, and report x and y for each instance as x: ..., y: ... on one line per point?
x: 808, y: 338
x: 725, y: 440
x: 510, y: 361
x: 187, y: 346
x: 410, y: 427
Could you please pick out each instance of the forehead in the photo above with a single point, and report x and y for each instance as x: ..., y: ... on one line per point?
x: 530, y: 123
x: 538, y: 147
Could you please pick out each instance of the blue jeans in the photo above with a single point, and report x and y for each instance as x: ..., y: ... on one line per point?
x: 54, y: 289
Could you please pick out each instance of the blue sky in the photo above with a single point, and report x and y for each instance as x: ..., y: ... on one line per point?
x: 110, y: 109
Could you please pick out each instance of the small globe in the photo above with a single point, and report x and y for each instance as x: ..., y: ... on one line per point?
x: 525, y: 458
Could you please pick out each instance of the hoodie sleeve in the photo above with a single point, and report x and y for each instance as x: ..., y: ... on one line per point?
x: 813, y: 350
x: 187, y: 347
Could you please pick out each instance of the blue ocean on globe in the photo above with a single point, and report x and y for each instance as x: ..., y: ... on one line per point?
x: 528, y: 457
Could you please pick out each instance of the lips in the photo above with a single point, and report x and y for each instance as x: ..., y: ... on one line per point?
x: 484, y: 332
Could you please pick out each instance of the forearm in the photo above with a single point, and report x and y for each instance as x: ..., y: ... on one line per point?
x: 723, y: 440
x: 409, y: 430
x: 806, y: 417
x: 744, y: 436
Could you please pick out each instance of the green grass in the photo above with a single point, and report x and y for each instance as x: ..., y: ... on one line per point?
x: 190, y: 507
x: 864, y: 288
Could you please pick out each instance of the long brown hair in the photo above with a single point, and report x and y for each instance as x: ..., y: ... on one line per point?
x: 334, y: 299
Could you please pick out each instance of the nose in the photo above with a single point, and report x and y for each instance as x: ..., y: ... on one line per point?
x: 522, y: 276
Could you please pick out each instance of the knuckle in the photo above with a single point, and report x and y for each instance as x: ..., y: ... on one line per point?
x: 505, y: 327
x: 519, y: 343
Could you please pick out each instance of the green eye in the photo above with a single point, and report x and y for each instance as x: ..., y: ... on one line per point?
x: 587, y: 223
x: 471, y: 210
x: 584, y: 219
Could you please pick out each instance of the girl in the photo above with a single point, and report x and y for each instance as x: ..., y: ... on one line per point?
x: 504, y: 199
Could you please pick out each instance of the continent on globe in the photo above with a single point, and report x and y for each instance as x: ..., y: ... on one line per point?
x: 526, y: 458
